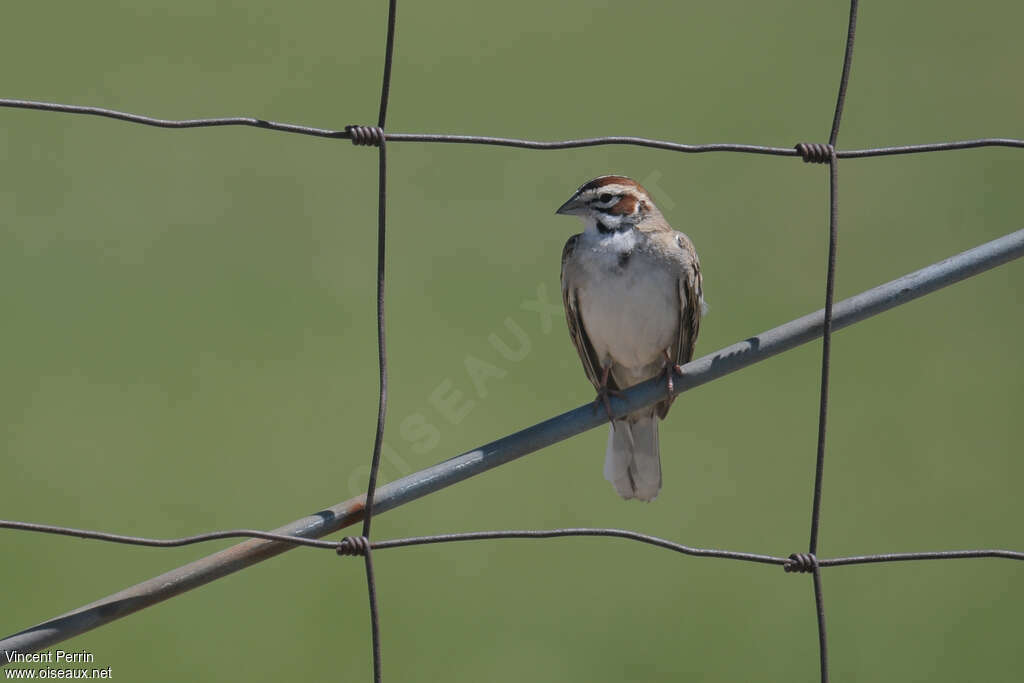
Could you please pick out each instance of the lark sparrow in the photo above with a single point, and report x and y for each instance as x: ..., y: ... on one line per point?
x: 633, y: 299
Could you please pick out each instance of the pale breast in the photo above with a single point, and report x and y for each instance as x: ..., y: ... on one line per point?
x: 629, y: 302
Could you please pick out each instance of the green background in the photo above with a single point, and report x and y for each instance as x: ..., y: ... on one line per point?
x: 188, y: 335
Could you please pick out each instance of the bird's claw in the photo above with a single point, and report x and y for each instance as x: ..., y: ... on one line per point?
x: 602, y: 397
x: 670, y: 369
x: 604, y: 391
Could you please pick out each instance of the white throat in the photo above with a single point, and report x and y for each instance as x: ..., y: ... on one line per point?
x: 623, y: 237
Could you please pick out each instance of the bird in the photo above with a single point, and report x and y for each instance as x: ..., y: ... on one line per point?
x: 633, y: 294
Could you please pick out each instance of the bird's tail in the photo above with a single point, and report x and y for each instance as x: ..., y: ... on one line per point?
x: 632, y: 462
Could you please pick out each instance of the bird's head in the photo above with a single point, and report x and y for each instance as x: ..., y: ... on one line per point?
x: 610, y: 203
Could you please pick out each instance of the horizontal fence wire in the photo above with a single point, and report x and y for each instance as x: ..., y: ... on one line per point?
x: 508, y: 142
x: 342, y: 546
x: 305, y: 532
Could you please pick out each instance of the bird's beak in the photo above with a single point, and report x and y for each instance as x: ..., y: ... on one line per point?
x: 573, y: 207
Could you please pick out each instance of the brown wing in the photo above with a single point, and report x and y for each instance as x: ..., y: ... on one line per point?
x: 691, y: 296
x: 577, y: 332
x: 690, y: 303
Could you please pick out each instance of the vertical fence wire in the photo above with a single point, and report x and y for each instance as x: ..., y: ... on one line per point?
x: 382, y: 357
x: 826, y: 337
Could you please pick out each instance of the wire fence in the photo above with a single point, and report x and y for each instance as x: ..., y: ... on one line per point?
x: 306, y: 531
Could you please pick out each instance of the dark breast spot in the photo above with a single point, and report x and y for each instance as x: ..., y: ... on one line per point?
x: 624, y: 258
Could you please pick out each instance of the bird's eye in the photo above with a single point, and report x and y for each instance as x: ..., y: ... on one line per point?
x: 605, y: 197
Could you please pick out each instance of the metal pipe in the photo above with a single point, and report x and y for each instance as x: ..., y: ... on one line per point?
x: 461, y: 467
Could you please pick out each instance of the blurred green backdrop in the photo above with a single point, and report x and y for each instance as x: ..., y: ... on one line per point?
x: 188, y: 334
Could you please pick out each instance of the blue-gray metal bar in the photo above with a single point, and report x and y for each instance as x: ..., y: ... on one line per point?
x: 703, y: 370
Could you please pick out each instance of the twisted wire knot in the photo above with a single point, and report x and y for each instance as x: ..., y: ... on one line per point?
x: 353, y: 545
x: 801, y: 562
x: 815, y: 152
x: 366, y: 135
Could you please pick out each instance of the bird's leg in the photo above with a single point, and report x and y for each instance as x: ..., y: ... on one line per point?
x: 671, y: 367
x: 603, y: 391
